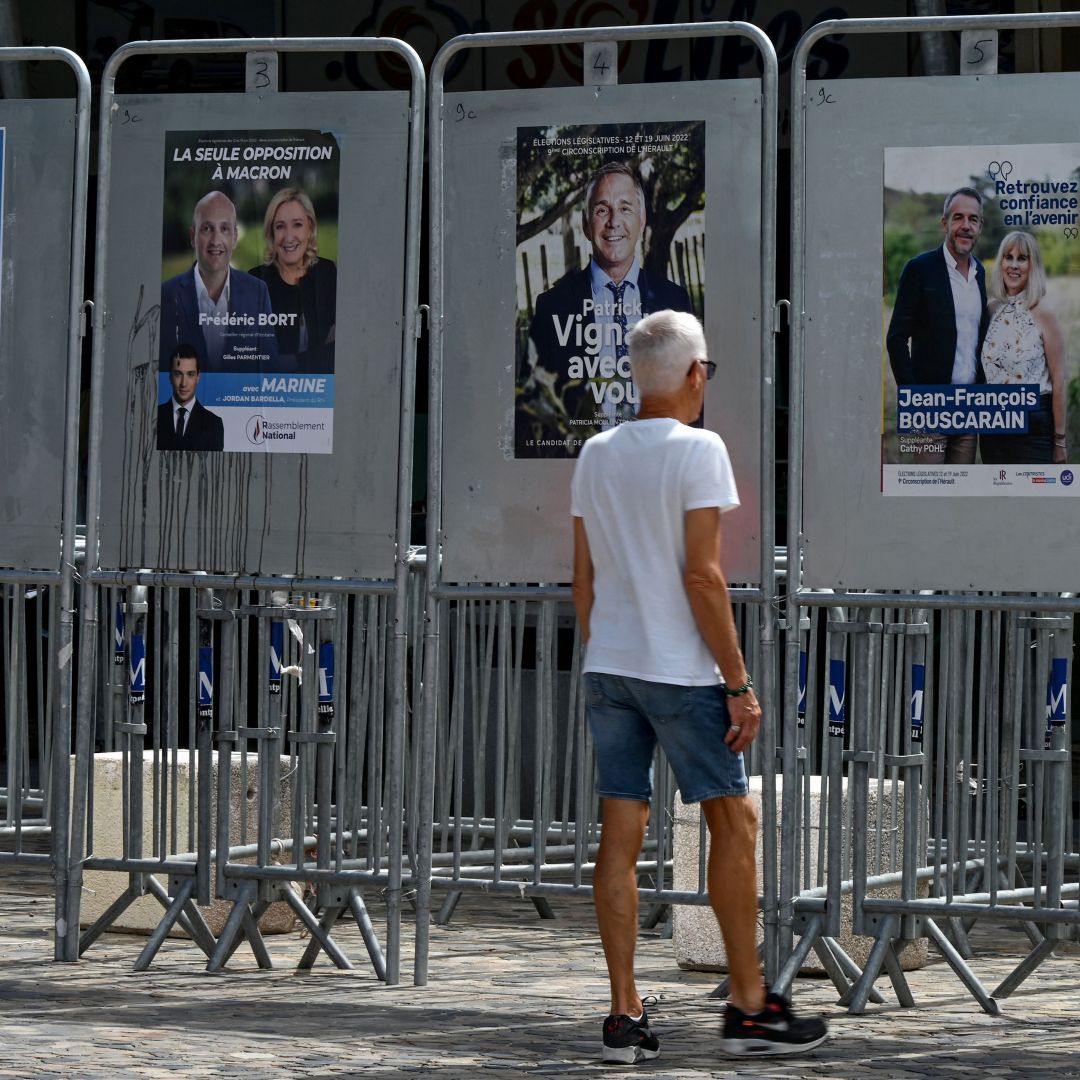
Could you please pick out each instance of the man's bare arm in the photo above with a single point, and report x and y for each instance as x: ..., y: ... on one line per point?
x: 582, y: 587
x: 711, y: 605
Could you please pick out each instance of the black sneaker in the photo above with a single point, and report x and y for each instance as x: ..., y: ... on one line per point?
x: 627, y: 1041
x: 774, y: 1030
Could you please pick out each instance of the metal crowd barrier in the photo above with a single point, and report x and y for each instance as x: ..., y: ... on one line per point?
x: 28, y: 704
x: 948, y: 718
x: 515, y: 808
x: 226, y: 695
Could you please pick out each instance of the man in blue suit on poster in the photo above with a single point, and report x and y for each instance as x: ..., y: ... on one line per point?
x: 939, y: 321
x: 214, y: 307
x: 580, y: 323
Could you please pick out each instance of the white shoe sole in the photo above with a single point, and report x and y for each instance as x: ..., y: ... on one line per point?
x: 766, y: 1047
x: 628, y: 1055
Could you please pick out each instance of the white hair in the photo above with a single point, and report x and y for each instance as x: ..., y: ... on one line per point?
x: 662, y: 348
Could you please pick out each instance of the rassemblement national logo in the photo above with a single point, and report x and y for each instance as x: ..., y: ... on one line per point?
x: 255, y: 429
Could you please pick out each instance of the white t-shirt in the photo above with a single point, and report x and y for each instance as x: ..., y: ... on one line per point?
x: 633, y: 486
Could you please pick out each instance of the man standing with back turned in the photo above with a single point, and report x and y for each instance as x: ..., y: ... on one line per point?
x: 653, y: 606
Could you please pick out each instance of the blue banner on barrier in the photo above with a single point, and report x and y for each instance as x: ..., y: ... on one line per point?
x: 137, y: 669
x: 277, y: 648
x: 206, y: 675
x: 837, y: 697
x: 1056, y: 697
x: 918, y: 689
x: 802, y: 688
x: 326, y: 679
x: 119, y: 644
x: 206, y: 683
x: 1057, y: 691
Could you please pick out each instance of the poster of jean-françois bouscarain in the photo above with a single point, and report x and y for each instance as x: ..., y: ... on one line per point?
x: 981, y: 327
x: 610, y: 227
x: 248, y: 292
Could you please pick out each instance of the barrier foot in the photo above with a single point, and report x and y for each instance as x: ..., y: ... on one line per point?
x: 225, y: 947
x: 1025, y: 967
x: 964, y: 973
x: 543, y: 908
x: 327, y: 943
x: 446, y: 912
x: 831, y: 966
x: 256, y: 910
x: 654, y: 916
x: 859, y: 994
x: 850, y: 969
x: 1034, y: 934
x: 161, y: 931
x: 367, y: 932
x: 960, y: 939
x: 189, y: 920
x: 897, y: 976
x: 330, y: 916
x: 788, y: 972
x: 249, y: 925
x: 106, y: 919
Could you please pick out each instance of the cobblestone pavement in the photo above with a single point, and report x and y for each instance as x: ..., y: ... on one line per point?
x: 510, y: 995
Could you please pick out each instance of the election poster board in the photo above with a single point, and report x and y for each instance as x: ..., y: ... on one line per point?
x: 880, y: 157
x: 258, y: 478
x: 37, y: 181
x: 249, y: 291
x: 610, y: 226
x: 981, y: 349
x: 516, y: 255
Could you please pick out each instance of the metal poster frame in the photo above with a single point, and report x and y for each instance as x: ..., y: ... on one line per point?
x: 96, y: 578
x: 852, y: 613
x: 61, y: 652
x: 437, y: 591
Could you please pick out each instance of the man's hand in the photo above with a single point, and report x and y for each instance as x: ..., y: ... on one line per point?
x: 745, y: 714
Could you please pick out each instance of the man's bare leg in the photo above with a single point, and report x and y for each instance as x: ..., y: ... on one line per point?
x: 732, y: 822
x: 616, y: 899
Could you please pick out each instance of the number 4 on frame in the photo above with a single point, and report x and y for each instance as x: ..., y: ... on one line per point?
x: 601, y: 63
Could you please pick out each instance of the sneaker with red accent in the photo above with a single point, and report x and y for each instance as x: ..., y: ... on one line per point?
x: 628, y: 1041
x: 774, y: 1030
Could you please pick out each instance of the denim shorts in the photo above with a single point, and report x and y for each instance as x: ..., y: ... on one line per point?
x: 628, y: 717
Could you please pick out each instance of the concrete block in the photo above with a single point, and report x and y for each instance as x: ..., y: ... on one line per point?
x: 696, y: 936
x: 102, y: 887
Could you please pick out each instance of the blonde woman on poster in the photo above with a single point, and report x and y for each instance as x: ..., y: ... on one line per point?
x: 1024, y: 343
x: 302, y: 283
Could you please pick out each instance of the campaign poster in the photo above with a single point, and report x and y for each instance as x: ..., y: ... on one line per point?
x: 610, y: 227
x: 248, y: 292
x: 981, y: 321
